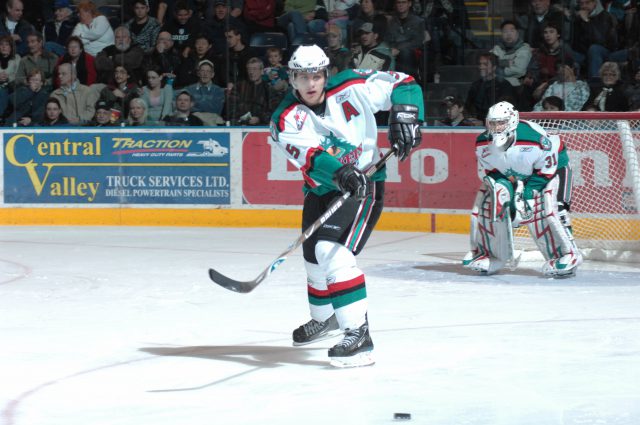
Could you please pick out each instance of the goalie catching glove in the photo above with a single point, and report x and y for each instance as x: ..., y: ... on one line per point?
x: 404, y: 129
x: 350, y: 179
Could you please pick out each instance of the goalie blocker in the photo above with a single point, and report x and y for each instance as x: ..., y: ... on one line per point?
x: 499, y: 208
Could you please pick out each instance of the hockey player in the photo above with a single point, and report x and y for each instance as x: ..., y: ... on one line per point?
x: 527, y: 181
x: 327, y: 129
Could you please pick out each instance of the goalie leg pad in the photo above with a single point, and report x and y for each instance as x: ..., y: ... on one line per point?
x: 552, y: 238
x: 494, y: 237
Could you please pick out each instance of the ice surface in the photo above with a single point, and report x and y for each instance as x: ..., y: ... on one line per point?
x: 121, y: 326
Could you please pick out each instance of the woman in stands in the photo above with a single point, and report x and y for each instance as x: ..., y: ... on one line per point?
x: 93, y: 29
x: 53, y: 116
x: 159, y: 98
x: 9, y: 61
x: 81, y: 60
x: 610, y: 94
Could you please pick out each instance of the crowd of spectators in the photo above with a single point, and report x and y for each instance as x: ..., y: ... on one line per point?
x: 190, y: 62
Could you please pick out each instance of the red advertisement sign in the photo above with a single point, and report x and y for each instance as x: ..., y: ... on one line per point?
x: 440, y: 174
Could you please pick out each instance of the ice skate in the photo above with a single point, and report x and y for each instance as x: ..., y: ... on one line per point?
x: 485, y: 265
x: 563, y: 267
x: 354, y: 350
x: 314, y: 331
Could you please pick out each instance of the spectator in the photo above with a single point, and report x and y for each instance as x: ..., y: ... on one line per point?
x: 83, y: 62
x: 211, y: 9
x: 187, y: 73
x: 157, y: 96
x: 93, y: 29
x: 488, y: 90
x: 370, y: 53
x: 183, y: 27
x: 339, y: 56
x: 367, y: 11
x: 28, y: 101
x: 610, y: 94
x: 238, y: 54
x: 338, y: 13
x: 77, y: 100
x: 276, y: 74
x: 37, y: 58
x: 120, y: 90
x: 138, y: 114
x: 573, y: 92
x: 164, y: 56
x: 53, y: 115
x: 595, y: 38
x: 104, y: 116
x: 123, y: 52
x: 183, y: 116
x: 258, y: 16
x: 252, y: 101
x: 9, y: 63
x: 513, y: 55
x: 539, y: 16
x: 405, y: 34
x: 206, y: 96
x: 58, y: 30
x: 446, y: 23
x: 12, y: 23
x: 299, y: 17
x: 220, y: 20
x: 552, y: 103
x: 455, y: 114
x: 143, y: 28
x: 633, y: 91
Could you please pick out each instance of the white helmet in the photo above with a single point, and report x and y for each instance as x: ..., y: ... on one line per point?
x: 308, y: 59
x: 501, y: 123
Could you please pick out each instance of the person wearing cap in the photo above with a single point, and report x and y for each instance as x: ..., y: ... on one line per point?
x: 455, y: 114
x: 12, y: 23
x: 207, y: 96
x: 370, y: 53
x: 144, y: 29
x: 57, y: 31
x: 183, y: 115
x: 219, y: 19
x: 104, y: 116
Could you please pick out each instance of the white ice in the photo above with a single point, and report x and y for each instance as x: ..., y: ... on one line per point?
x: 121, y: 326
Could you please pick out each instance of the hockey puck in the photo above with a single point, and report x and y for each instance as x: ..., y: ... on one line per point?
x: 402, y: 416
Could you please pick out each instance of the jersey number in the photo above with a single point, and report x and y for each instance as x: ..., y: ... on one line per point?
x: 551, y: 161
x: 293, y: 151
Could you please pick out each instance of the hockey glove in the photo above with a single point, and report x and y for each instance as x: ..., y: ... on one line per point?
x: 349, y: 179
x: 404, y: 129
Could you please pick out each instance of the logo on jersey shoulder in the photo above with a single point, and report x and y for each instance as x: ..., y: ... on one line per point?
x: 300, y: 116
x: 364, y: 71
x: 526, y: 149
x: 341, y: 97
x: 545, y: 143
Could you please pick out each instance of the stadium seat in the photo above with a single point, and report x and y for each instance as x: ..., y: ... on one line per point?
x: 261, y: 41
x: 307, y: 39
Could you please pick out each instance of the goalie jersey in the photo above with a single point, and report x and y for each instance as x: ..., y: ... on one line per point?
x: 533, y: 158
x: 343, y: 129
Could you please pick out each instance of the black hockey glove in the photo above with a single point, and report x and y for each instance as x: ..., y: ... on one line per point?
x: 404, y: 129
x: 349, y: 179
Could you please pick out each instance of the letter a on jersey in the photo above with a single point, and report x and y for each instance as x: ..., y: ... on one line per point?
x: 349, y: 110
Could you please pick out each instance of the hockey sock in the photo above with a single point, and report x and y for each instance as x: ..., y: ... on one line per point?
x: 319, y: 297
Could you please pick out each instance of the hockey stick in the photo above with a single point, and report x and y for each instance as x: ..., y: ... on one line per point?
x: 247, y: 286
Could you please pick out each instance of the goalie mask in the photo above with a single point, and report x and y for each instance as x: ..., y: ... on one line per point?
x: 309, y: 59
x: 501, y: 123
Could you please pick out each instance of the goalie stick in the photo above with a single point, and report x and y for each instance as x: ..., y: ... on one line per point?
x: 244, y: 287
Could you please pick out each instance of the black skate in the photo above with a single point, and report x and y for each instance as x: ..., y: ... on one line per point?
x: 314, y: 330
x: 354, y: 350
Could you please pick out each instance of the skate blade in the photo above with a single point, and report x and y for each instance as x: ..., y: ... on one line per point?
x: 364, y: 358
x: 328, y: 335
x: 565, y: 275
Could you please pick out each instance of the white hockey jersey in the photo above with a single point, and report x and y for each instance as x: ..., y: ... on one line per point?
x: 343, y: 130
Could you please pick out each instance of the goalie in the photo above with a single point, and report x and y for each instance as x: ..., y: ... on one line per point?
x: 527, y: 180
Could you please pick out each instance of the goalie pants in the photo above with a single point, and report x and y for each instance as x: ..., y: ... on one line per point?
x: 335, y: 284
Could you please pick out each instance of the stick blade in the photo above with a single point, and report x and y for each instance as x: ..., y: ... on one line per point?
x: 231, y: 284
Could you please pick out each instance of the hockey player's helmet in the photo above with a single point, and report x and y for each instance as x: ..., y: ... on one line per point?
x: 308, y: 59
x: 501, y: 123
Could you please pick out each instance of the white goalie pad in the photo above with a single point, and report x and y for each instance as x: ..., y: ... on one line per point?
x: 491, y: 234
x: 553, y: 239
